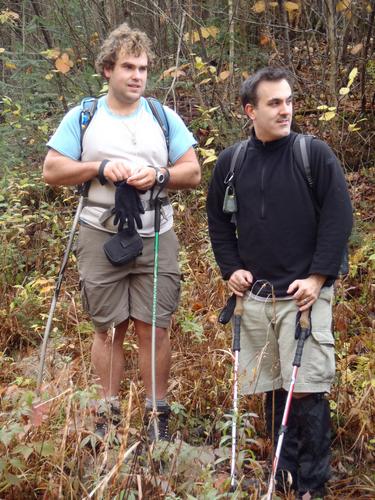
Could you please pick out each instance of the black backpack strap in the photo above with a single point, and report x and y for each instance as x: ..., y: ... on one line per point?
x: 161, y: 117
x: 302, y: 155
x: 236, y: 161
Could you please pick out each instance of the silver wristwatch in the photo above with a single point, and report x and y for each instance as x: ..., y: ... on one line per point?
x: 161, y: 178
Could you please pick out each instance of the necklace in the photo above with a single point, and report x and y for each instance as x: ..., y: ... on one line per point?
x: 132, y: 132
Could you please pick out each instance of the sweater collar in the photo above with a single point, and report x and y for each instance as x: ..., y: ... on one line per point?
x: 272, y: 145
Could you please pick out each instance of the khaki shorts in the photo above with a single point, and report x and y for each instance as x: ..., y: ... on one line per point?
x: 268, y: 346
x: 113, y: 294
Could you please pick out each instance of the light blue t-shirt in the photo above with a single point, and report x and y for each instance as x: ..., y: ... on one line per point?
x: 66, y: 139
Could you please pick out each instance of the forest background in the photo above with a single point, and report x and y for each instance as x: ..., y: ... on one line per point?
x: 204, y: 50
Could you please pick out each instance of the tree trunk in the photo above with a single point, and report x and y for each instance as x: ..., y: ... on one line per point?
x: 332, y: 47
x: 286, y: 39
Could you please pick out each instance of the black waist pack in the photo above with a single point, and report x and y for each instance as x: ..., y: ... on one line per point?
x: 123, y: 247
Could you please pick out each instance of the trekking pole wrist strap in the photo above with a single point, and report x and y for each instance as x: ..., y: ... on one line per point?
x: 101, y: 176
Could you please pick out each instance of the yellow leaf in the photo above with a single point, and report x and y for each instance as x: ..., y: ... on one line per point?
x: 343, y: 5
x: 322, y: 107
x: 259, y: 7
x: 2, y: 50
x: 206, y: 80
x: 210, y: 159
x: 326, y: 117
x: 199, y: 64
x: 63, y: 63
x: 205, y: 33
x: 352, y: 127
x: 290, y: 6
x: 191, y: 37
x: 209, y: 31
x: 356, y: 49
x: 10, y: 65
x: 344, y: 90
x: 49, y: 76
x: 352, y: 75
x: 331, y: 108
x: 51, y: 53
x: 209, y: 141
x: 224, y: 75
x: 245, y: 74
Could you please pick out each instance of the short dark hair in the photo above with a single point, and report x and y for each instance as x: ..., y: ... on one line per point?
x: 248, y: 91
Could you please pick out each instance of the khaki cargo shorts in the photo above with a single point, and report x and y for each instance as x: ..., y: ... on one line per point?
x: 113, y: 294
x: 268, y: 346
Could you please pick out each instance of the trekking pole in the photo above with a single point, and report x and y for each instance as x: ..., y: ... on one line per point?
x: 154, y: 311
x: 236, y: 349
x: 56, y: 295
x: 304, y: 322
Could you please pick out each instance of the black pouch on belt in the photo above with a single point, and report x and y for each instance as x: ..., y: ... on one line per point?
x: 123, y: 247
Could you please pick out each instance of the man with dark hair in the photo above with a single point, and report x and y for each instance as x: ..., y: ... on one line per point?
x: 124, y: 146
x: 283, y: 255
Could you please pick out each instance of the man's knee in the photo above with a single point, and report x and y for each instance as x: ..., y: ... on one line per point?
x: 112, y: 336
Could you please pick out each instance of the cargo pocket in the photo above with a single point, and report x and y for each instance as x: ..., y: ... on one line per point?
x: 322, y: 353
x: 321, y: 362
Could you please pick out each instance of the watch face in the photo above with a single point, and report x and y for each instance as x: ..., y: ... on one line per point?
x: 160, y: 177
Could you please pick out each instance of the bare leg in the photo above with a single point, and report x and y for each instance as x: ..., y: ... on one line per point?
x: 163, y: 358
x: 107, y: 357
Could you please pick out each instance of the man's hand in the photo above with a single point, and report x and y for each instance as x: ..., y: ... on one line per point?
x: 116, y: 171
x: 240, y: 281
x: 305, y: 292
x: 143, y: 179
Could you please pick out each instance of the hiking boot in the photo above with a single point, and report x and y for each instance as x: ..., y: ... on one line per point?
x: 163, y: 421
x: 107, y: 422
x: 314, y: 495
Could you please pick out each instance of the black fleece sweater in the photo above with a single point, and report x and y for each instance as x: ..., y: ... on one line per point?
x: 279, y: 236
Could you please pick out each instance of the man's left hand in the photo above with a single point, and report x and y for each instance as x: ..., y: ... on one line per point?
x: 305, y: 292
x: 143, y: 179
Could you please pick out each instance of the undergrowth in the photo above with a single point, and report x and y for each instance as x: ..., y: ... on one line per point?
x: 44, y: 449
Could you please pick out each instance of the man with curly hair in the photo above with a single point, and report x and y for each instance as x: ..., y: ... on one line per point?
x: 124, y: 151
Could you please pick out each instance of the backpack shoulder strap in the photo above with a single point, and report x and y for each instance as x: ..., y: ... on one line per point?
x: 88, y: 108
x: 161, y: 117
x: 302, y: 155
x: 236, y: 160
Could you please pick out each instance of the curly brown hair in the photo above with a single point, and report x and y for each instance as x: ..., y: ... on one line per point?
x: 132, y: 41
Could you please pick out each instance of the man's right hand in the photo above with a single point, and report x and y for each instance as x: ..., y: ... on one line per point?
x: 116, y: 171
x: 240, y: 281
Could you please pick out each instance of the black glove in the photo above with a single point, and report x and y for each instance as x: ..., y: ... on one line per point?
x: 128, y: 207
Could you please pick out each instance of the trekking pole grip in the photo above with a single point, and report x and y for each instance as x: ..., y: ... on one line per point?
x: 304, y: 322
x: 157, y: 214
x: 238, y: 310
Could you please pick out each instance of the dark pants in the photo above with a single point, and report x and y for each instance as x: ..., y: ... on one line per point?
x: 306, y: 447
